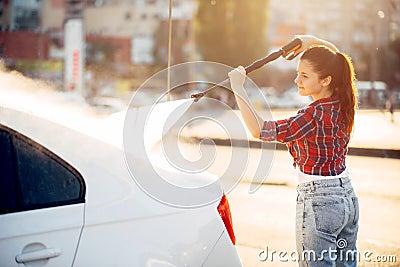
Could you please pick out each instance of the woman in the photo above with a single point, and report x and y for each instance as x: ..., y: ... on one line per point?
x: 317, y: 138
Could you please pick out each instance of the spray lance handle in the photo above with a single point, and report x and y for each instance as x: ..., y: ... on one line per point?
x: 285, y: 51
x: 291, y: 47
x: 288, y: 50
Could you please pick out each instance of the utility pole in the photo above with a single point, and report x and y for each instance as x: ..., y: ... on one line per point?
x: 74, y: 46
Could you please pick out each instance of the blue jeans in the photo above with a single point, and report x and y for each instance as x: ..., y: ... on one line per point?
x: 327, y: 223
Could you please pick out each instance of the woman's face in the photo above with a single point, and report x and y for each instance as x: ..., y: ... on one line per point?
x: 309, y: 83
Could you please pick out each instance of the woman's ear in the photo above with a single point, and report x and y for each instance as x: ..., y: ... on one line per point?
x: 327, y: 80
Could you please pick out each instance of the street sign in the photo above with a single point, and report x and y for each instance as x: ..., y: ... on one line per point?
x: 74, y: 55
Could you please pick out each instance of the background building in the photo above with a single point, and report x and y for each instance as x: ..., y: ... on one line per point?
x: 123, y: 33
x: 361, y: 28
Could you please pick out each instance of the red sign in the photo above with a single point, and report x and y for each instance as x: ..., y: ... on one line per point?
x: 75, y: 65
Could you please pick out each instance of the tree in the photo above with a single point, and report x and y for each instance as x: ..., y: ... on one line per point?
x: 232, y: 32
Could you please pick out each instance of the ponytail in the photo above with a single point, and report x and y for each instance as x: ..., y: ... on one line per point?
x: 346, y: 91
x: 339, y: 66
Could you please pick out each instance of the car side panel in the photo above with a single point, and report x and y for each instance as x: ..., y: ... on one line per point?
x: 57, y: 228
x: 181, y: 239
x: 224, y: 253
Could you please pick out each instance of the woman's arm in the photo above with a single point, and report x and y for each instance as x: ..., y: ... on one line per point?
x: 237, y: 77
x: 308, y: 41
x: 253, y: 121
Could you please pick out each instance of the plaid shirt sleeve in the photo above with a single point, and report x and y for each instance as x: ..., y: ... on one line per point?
x: 300, y: 126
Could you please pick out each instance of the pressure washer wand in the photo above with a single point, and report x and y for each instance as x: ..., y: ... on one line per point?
x: 285, y: 51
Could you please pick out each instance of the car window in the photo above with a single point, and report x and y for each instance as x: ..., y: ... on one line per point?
x: 32, y: 177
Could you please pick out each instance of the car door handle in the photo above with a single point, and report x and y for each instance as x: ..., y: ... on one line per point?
x: 38, y: 255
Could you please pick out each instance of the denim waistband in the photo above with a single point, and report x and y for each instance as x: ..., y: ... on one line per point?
x: 304, y: 178
x: 344, y: 182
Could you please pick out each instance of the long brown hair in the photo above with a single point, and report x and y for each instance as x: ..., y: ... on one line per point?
x: 326, y: 63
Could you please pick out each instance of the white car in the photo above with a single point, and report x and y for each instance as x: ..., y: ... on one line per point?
x: 68, y: 199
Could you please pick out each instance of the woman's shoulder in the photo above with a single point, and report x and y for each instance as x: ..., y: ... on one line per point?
x: 320, y: 108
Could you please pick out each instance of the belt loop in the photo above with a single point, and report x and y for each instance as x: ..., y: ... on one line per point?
x: 312, y: 187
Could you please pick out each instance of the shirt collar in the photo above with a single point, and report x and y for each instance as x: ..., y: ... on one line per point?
x: 326, y: 100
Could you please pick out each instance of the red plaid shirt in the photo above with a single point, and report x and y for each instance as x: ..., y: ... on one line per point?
x: 315, y: 137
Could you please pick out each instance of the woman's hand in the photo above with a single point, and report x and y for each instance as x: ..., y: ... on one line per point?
x: 308, y: 41
x: 237, y: 78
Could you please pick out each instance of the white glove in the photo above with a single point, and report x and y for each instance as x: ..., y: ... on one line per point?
x: 237, y: 77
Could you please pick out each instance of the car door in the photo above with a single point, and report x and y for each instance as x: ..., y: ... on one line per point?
x: 41, y: 204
